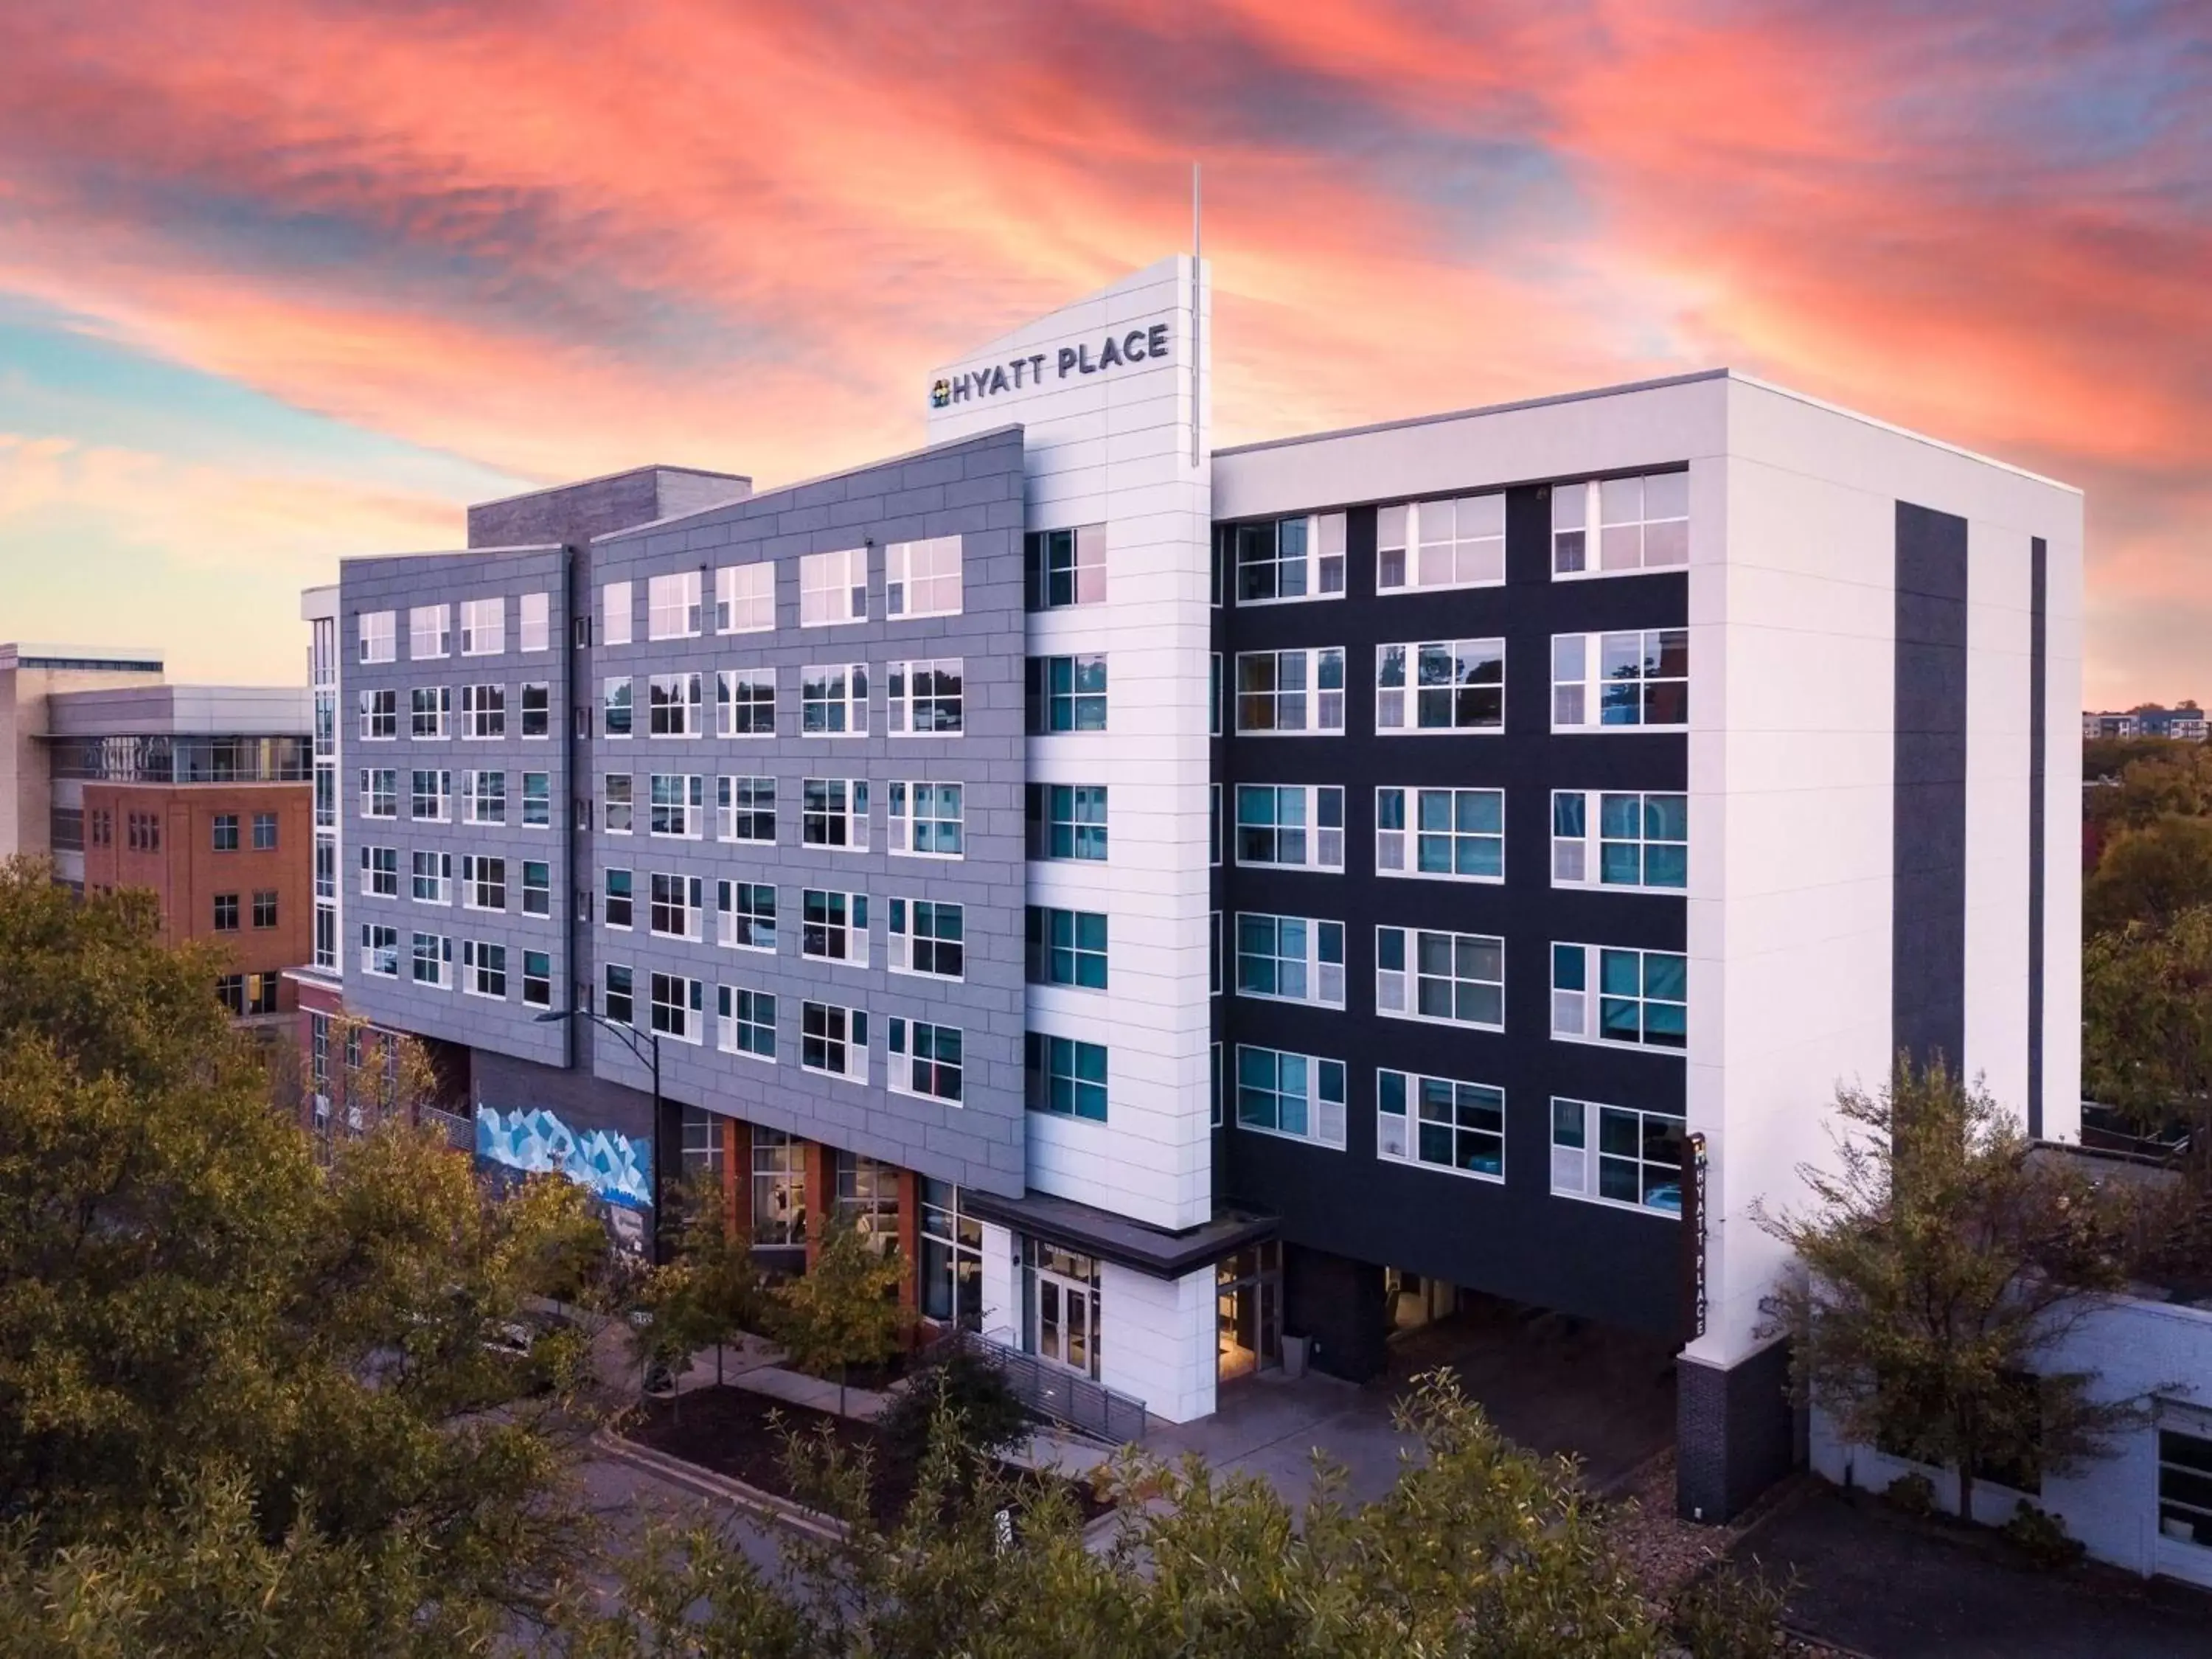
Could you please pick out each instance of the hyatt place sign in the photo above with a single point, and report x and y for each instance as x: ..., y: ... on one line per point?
x: 1139, y: 345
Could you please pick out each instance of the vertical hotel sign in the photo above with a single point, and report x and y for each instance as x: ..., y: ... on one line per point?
x: 1693, y: 1242
x: 1144, y: 345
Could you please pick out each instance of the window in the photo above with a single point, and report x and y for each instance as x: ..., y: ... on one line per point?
x: 621, y: 994
x: 326, y: 797
x: 483, y: 627
x: 379, y: 949
x: 616, y: 616
x: 534, y: 624
x: 378, y: 643
x: 1213, y: 953
x: 924, y: 698
x: 1637, y: 1159
x: 615, y: 908
x: 1431, y: 544
x: 484, y: 882
x: 922, y: 578
x: 536, y: 711
x: 1066, y: 820
x: 834, y: 813
x: 1291, y: 958
x: 671, y: 606
x: 101, y: 823
x: 326, y: 937
x: 1067, y: 947
x: 225, y: 829
x: 1600, y: 680
x: 673, y: 708
x: 430, y: 797
x: 1289, y: 691
x: 1065, y: 1077
x: 833, y: 1040
x: 833, y: 926
x: 1456, y: 835
x: 483, y: 711
x: 1454, y: 1126
x: 678, y: 1006
x: 264, y: 832
x: 483, y: 969
x: 264, y: 908
x: 833, y: 703
x: 746, y: 1024
x: 380, y: 716
x: 1067, y: 694
x: 1643, y: 524
x: 744, y: 699
x: 430, y: 632
x: 927, y: 937
x: 676, y: 904
x: 430, y: 878
x: 1638, y: 997
x: 866, y: 1190
x: 537, y: 888
x: 226, y: 910
x: 779, y: 1184
x: 2185, y: 1480
x: 744, y: 809
x: 537, y: 965
x: 744, y: 597
x: 678, y: 804
x: 486, y: 796
x: 1459, y: 685
x: 1300, y: 558
x: 230, y: 992
x: 925, y: 1060
x: 1455, y: 978
x: 1061, y: 567
x: 1630, y: 840
x: 432, y: 960
x: 747, y: 913
x: 430, y: 713
x: 1291, y: 826
x: 615, y: 700
x: 833, y: 587
x: 950, y: 1274
x: 614, y: 792
x: 380, y: 875
x: 143, y: 830
x: 380, y: 792
x: 926, y: 819
x: 1294, y: 1095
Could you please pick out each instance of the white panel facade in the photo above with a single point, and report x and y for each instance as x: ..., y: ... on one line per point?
x: 1157, y: 1339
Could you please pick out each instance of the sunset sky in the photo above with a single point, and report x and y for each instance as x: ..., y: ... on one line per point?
x: 281, y: 282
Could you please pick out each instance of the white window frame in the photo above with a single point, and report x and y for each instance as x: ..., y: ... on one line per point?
x: 483, y: 873
x: 1456, y: 533
x: 627, y: 994
x: 628, y: 899
x: 733, y: 1003
x: 1578, y: 1015
x: 618, y: 802
x: 483, y: 627
x: 907, y: 794
x: 689, y: 808
x: 674, y: 706
x: 380, y: 787
x: 1579, y: 860
x: 441, y: 795
x: 1321, y: 1113
x: 1085, y: 545
x: 682, y: 1014
x: 901, y: 937
x: 853, y: 815
x: 850, y: 925
x: 1320, y: 559
x: 380, y: 709
x: 1078, y: 829
x: 1398, y: 1134
x: 1319, y: 839
x: 744, y: 597
x: 542, y: 889
x: 1394, y: 704
x: 728, y: 810
x: 752, y: 681
x: 1579, y: 682
x: 440, y: 957
x: 847, y: 707
x: 480, y: 960
x: 379, y: 872
x: 899, y: 1041
x: 618, y: 691
x: 377, y: 939
x: 481, y: 791
x: 1319, y: 974
x: 673, y: 608
x: 543, y: 710
x: 617, y: 614
x: 540, y: 800
x: 685, y: 896
x: 436, y: 869
x: 430, y: 632
x: 441, y: 713
x: 1315, y: 662
x: 1397, y: 990
x: 731, y: 921
x: 377, y: 633
x: 851, y: 1034
x: 906, y: 705
x: 916, y: 582
x: 533, y: 621
x: 1078, y: 697
x: 1397, y: 852
x: 1621, y: 510
x: 1577, y: 1165
x: 483, y: 713
x: 833, y: 587
x: 542, y: 980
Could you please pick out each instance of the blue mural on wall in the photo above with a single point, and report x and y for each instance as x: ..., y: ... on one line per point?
x: 611, y: 1166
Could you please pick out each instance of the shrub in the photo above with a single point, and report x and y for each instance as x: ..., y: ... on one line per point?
x: 969, y: 1386
x: 1732, y: 1613
x: 1913, y: 1493
x: 2042, y: 1537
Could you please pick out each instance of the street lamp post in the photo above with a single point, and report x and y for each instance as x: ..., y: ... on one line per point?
x: 650, y: 1057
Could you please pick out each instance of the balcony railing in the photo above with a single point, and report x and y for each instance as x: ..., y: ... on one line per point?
x: 157, y: 759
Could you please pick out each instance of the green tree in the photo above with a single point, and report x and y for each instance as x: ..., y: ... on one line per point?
x: 711, y: 1291
x: 1945, y: 1265
x: 844, y: 1309
x: 2150, y: 874
x: 2156, y: 777
x: 2147, y: 1019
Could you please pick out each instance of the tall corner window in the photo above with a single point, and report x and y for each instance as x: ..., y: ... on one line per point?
x: 1603, y: 527
x: 1624, y: 838
x: 1609, y: 994
x: 1063, y: 568
x: 1284, y: 559
x: 1604, y: 681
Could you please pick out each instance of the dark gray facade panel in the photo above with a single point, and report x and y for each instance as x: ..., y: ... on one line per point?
x: 598, y: 507
x: 2038, y: 741
x: 1928, y: 899
x: 1735, y: 1435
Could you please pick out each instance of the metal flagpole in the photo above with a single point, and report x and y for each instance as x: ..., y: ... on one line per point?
x: 1197, y: 299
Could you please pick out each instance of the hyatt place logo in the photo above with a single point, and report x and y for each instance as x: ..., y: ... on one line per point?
x: 1137, y: 346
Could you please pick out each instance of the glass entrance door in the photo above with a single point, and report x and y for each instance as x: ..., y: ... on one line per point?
x: 1066, y: 1314
x: 1247, y: 1312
